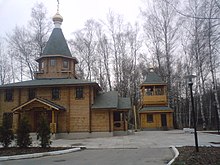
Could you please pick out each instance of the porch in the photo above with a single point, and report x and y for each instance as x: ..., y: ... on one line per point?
x: 33, y: 109
x: 120, y: 121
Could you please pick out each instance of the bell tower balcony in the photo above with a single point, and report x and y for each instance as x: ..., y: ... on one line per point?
x: 154, y: 95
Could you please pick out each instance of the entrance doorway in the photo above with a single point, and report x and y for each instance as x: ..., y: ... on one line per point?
x: 37, y: 115
x: 163, y: 120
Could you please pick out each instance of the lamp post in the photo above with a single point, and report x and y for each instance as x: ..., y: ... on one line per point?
x: 190, y: 83
x: 217, y: 119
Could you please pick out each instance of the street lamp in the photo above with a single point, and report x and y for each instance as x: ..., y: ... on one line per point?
x: 190, y: 83
x: 217, y: 119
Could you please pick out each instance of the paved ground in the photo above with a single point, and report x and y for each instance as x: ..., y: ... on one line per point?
x: 143, y: 139
x: 146, y: 147
x: 143, y: 156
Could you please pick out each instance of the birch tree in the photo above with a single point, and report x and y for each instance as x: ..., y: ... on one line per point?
x: 163, y: 27
x: 213, y: 39
x: 29, y: 41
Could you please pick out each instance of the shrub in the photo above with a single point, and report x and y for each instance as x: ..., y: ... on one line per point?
x: 6, y: 134
x: 43, y: 131
x: 23, y: 138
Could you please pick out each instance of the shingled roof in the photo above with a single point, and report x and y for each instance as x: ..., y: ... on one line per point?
x: 111, y: 100
x: 57, y: 44
x: 49, y: 82
x: 153, y: 78
x: 124, y: 103
x: 153, y: 109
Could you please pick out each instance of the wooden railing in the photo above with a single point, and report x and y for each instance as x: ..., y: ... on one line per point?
x: 120, y: 125
x: 154, y: 100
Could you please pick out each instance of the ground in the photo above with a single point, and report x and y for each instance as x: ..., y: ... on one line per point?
x: 19, y: 151
x: 188, y: 155
x: 205, y: 156
x: 143, y: 140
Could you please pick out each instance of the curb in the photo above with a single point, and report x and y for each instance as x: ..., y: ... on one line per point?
x: 176, y: 152
x: 37, y: 155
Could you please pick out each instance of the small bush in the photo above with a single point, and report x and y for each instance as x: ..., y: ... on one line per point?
x: 43, y: 131
x: 23, y: 138
x: 6, y: 134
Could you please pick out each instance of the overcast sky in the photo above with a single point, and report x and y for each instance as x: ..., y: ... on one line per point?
x: 74, y: 12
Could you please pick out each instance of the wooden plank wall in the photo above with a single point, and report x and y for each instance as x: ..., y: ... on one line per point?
x: 76, y: 116
x: 156, y: 120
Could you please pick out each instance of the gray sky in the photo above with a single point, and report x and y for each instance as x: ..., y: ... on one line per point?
x: 74, y: 12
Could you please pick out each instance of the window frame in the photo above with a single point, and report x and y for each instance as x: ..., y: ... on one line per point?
x: 79, y: 92
x: 150, y: 118
x: 42, y: 65
x: 65, y: 64
x: 53, y: 62
x: 9, y: 95
x: 55, y: 93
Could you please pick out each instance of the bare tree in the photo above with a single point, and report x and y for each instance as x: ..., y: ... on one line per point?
x: 29, y: 42
x: 134, y: 45
x: 84, y: 44
x: 104, y: 51
x: 163, y: 28
x: 5, y: 74
x: 213, y: 39
x: 40, y: 26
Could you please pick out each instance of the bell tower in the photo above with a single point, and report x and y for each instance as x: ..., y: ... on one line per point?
x: 56, y: 60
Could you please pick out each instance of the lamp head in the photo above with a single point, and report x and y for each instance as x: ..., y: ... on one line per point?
x: 189, y: 78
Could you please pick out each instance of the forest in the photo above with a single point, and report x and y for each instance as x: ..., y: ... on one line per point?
x: 176, y: 38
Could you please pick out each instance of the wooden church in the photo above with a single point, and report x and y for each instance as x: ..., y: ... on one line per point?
x: 75, y: 108
x: 154, y: 112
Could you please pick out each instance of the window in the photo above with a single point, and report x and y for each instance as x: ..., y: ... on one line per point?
x: 8, y: 117
x: 159, y: 91
x: 150, y: 118
x: 65, y: 64
x: 31, y: 93
x: 149, y: 91
x: 8, y: 95
x: 42, y: 65
x: 52, y: 62
x: 79, y: 92
x: 55, y: 93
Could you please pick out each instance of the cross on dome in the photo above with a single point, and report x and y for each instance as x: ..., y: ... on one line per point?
x: 57, y: 18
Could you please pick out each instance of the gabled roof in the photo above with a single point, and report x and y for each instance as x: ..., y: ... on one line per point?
x: 153, y: 109
x: 111, y: 100
x: 56, y: 45
x: 40, y: 100
x: 49, y: 82
x: 153, y: 78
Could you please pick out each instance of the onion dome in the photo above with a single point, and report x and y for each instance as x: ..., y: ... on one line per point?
x: 57, y: 19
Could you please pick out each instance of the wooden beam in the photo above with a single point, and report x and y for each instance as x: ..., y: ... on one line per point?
x: 69, y: 106
x: 124, y: 121
x: 110, y: 126
x: 53, y: 128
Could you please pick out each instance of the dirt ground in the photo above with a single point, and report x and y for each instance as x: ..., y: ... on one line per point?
x: 205, y: 156
x: 20, y: 151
